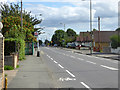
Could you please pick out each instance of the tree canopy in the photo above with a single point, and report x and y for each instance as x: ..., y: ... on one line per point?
x: 59, y: 37
x: 115, y: 41
x: 11, y: 20
x: 71, y: 35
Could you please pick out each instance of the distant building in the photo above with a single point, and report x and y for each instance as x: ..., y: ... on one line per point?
x: 100, y: 39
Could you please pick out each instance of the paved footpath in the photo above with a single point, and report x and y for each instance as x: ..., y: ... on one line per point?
x: 32, y: 73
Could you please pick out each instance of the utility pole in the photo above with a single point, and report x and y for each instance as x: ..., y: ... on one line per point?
x: 64, y: 25
x: 91, y: 26
x: 21, y: 16
x: 99, y: 31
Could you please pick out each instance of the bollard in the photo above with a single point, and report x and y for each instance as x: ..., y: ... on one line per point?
x: 38, y: 53
x: 5, y: 83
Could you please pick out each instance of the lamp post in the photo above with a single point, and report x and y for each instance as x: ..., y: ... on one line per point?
x: 90, y: 25
x: 64, y: 25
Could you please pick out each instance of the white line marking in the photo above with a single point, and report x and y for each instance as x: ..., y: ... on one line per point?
x: 72, y: 56
x: 111, y: 68
x: 81, y: 59
x: 70, y: 73
x: 85, y: 85
x: 51, y: 58
x: 60, y: 66
x: 55, y: 62
x: 90, y: 62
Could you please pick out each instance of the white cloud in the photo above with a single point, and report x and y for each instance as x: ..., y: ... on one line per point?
x: 76, y: 16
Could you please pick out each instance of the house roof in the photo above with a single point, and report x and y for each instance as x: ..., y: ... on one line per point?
x: 104, y: 36
x: 84, y: 37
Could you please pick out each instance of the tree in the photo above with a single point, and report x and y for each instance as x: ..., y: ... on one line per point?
x: 59, y: 37
x: 115, y: 41
x: 14, y: 11
x: 95, y: 29
x: 118, y: 29
x: 40, y: 42
x: 71, y: 35
x: 47, y: 42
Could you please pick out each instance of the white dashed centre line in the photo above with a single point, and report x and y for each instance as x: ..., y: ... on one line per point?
x: 111, y: 68
x: 55, y: 62
x: 81, y: 59
x: 70, y: 73
x: 51, y: 58
x: 60, y: 66
x: 85, y: 85
x: 90, y: 62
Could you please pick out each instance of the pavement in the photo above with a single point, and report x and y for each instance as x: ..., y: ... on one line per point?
x: 32, y: 73
x: 97, y: 54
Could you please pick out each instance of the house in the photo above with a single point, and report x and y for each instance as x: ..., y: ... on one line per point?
x: 99, y: 39
x: 102, y: 38
x: 84, y: 38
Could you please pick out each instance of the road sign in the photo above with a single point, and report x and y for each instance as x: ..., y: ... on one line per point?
x: 35, y: 33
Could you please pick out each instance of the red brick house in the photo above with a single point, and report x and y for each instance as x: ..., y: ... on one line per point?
x: 100, y: 39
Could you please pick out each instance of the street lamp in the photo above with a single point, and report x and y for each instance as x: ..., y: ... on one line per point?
x: 64, y: 25
x: 90, y: 24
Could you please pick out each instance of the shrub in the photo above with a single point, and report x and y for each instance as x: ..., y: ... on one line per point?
x: 20, y: 46
x: 6, y: 67
x: 17, y: 66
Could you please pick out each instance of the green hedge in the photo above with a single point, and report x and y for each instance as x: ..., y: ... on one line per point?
x: 20, y: 46
x: 6, y: 67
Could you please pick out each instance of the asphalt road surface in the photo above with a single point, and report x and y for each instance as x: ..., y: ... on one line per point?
x: 73, y: 70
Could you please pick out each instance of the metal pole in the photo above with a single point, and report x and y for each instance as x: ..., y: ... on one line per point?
x: 91, y: 26
x: 64, y: 27
x: 99, y: 31
x: 21, y: 17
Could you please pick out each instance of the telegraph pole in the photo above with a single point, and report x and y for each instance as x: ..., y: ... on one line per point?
x: 99, y: 31
x: 91, y: 26
x: 21, y: 16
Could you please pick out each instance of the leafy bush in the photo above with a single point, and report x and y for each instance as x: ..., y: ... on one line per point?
x: 17, y: 66
x: 6, y: 67
x: 20, y: 46
x: 115, y: 41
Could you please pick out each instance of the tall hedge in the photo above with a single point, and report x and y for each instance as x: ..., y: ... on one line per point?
x: 20, y: 46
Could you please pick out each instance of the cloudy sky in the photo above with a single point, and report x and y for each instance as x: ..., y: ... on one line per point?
x: 73, y: 13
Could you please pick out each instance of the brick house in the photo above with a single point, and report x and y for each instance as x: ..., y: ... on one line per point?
x: 100, y: 39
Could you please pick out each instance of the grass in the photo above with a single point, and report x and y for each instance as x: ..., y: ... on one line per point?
x: 6, y: 75
x: 6, y: 67
x: 17, y: 66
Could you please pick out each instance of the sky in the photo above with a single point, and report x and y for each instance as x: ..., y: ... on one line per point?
x: 73, y: 13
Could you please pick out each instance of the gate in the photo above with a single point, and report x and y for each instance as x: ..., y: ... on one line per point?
x: 29, y: 48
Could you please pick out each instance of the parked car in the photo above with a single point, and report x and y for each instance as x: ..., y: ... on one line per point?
x: 55, y: 45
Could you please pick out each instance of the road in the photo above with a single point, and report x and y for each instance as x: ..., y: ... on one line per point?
x: 73, y: 70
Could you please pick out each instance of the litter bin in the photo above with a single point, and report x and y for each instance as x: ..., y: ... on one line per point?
x: 38, y: 53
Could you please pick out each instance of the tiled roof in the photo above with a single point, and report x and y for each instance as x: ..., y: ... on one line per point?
x: 104, y: 36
